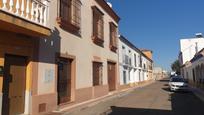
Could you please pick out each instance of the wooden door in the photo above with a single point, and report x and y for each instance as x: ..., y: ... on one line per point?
x: 112, y: 76
x: 14, y: 85
x: 64, y: 80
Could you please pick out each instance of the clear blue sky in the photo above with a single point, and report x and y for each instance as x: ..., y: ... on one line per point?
x: 159, y: 24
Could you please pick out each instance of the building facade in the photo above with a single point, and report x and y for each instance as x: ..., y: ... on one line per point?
x: 55, y: 54
x: 159, y: 73
x: 189, y: 47
x: 134, y: 66
x: 22, y: 25
x: 193, y: 70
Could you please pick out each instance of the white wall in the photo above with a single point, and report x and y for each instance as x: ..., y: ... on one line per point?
x: 134, y: 70
x: 188, y: 48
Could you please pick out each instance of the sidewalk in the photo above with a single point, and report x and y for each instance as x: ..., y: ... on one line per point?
x: 198, y: 92
x: 100, y: 105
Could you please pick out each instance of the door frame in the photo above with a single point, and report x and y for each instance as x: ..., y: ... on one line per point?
x: 5, y: 87
x: 115, y: 77
x: 73, y: 75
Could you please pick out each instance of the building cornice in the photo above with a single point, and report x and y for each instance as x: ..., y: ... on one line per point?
x: 108, y: 9
x: 127, y: 42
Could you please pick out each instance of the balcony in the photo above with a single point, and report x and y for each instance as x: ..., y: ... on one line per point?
x: 25, y: 16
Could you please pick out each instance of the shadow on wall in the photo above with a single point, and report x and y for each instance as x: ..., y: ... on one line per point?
x: 50, y: 47
x: 183, y: 103
x: 46, y: 47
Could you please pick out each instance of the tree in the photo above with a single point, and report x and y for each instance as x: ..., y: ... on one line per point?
x: 175, y: 66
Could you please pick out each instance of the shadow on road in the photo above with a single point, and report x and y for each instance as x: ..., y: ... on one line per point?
x: 182, y: 103
x: 164, y: 80
x: 134, y: 111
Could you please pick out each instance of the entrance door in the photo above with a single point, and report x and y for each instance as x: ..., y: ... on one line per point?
x: 14, y: 85
x: 64, y: 80
x: 111, y: 76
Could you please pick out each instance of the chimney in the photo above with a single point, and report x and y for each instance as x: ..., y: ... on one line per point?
x: 110, y: 4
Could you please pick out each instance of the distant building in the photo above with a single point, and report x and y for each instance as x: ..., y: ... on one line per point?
x: 159, y: 73
x: 147, y: 52
x: 134, y: 66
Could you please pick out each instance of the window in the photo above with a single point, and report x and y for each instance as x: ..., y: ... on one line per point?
x: 124, y: 77
x: 98, y: 26
x: 123, y: 54
x: 97, y: 73
x: 135, y: 60
x: 70, y: 15
x: 140, y: 60
x: 130, y: 58
x: 113, y: 36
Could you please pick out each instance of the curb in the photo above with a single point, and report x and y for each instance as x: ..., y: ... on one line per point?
x: 88, y: 104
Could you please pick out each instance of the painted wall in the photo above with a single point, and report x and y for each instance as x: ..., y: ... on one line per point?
x: 188, y: 48
x: 137, y: 74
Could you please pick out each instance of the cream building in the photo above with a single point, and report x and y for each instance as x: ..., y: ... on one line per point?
x: 67, y: 54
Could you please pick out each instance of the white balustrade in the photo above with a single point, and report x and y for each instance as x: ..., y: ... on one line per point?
x: 11, y: 5
x: 4, y: 4
x: 35, y: 11
x: 22, y: 8
x: 17, y: 7
x: 27, y: 9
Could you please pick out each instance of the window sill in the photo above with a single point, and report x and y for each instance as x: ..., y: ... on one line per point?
x: 98, y: 41
x: 68, y: 26
x: 113, y: 48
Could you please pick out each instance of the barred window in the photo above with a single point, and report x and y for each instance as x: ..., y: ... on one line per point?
x: 113, y: 34
x: 70, y: 12
x: 76, y: 12
x: 65, y: 8
x: 98, y: 23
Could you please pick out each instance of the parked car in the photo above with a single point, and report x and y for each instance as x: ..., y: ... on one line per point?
x: 178, y: 83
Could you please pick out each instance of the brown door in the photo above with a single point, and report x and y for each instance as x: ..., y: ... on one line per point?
x: 14, y: 85
x: 64, y: 80
x: 112, y: 76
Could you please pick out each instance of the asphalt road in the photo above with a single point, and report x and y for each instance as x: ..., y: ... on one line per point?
x: 156, y: 99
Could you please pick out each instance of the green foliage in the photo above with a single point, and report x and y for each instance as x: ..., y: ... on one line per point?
x: 175, y: 66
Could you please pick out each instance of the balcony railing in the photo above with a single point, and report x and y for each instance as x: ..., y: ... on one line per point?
x: 31, y: 10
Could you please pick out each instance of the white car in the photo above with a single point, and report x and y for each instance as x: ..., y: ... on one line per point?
x: 178, y: 83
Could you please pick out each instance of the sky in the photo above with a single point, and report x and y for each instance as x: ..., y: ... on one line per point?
x: 158, y: 25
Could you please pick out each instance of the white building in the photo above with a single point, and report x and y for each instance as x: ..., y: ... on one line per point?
x: 189, y: 47
x: 134, y: 66
x: 193, y: 70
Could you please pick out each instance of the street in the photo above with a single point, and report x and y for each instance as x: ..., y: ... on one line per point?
x: 154, y: 99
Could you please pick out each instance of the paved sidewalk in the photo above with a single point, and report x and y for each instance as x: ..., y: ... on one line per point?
x: 100, y: 106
